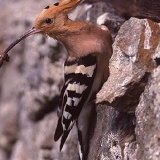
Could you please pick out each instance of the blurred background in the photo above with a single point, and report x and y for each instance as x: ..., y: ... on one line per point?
x: 29, y: 86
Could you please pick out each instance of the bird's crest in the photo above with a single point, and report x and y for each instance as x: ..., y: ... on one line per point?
x: 55, y: 15
x: 68, y: 4
x: 63, y: 6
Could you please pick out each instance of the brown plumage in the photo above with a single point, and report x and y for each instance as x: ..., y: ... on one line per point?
x: 89, y: 49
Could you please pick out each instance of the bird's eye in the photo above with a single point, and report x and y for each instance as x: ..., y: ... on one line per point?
x: 49, y: 20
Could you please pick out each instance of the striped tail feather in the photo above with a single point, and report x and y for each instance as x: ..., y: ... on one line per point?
x: 59, y: 130
x: 63, y: 139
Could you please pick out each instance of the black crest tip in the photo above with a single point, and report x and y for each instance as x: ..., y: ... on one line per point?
x: 47, y: 7
x: 56, y: 4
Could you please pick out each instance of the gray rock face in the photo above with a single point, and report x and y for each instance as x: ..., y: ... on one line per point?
x: 126, y: 123
x: 134, y: 50
x: 133, y: 69
x: 136, y: 8
x: 148, y: 119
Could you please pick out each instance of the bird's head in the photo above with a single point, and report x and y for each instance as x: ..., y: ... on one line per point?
x: 54, y: 17
x: 51, y: 21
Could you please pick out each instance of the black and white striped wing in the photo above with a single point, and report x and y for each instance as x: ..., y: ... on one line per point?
x: 79, y: 76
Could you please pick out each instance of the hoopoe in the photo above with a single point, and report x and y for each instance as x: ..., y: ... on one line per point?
x: 89, y: 49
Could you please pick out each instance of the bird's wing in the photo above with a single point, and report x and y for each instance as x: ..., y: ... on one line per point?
x: 79, y: 76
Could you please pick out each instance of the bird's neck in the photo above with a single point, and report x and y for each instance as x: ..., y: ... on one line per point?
x: 78, y: 38
x: 70, y: 28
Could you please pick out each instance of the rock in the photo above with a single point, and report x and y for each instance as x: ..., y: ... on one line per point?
x: 135, y: 51
x: 132, y: 62
x: 141, y: 9
x: 114, y: 136
x: 102, y: 14
x: 148, y: 119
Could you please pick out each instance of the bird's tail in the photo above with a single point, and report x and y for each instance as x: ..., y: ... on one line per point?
x: 59, y: 130
x: 63, y: 139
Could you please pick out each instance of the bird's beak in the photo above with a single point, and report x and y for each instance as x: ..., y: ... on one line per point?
x: 4, y: 56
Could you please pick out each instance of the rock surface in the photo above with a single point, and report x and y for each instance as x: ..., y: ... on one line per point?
x: 132, y: 65
x: 148, y: 119
x: 134, y: 49
x: 135, y: 8
x: 127, y: 112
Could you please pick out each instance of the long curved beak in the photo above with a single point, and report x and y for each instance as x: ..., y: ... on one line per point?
x: 4, y: 56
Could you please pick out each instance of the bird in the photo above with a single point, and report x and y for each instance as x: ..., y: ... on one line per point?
x: 86, y: 68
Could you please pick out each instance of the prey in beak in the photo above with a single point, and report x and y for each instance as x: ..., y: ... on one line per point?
x: 4, y: 56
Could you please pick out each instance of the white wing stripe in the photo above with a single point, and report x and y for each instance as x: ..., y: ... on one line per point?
x: 76, y: 101
x: 67, y: 115
x: 77, y: 88
x: 80, y: 69
x: 69, y: 101
x: 70, y: 69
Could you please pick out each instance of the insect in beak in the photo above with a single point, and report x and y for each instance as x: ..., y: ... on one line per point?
x: 4, y: 56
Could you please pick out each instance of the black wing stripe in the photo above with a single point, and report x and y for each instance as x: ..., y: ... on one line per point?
x: 66, y: 122
x: 86, y: 61
x: 59, y: 130
x: 64, y: 137
x: 83, y: 79
x: 87, y: 70
x: 79, y: 79
x: 74, y: 94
